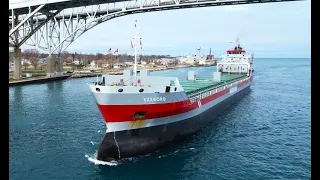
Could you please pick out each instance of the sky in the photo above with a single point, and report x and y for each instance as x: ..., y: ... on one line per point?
x: 269, y: 30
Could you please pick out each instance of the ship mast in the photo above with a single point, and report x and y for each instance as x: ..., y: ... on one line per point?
x: 136, y: 41
x: 238, y: 41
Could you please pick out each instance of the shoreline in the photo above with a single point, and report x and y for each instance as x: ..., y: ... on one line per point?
x: 38, y: 80
x: 120, y: 71
x: 42, y: 79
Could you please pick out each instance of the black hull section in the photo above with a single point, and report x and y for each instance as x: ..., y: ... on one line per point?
x: 136, y: 142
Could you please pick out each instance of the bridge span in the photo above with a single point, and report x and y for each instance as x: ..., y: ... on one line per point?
x: 52, y: 25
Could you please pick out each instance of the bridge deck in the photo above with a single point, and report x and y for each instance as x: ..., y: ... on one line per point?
x: 22, y: 7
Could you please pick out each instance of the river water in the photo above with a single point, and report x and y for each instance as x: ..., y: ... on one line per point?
x: 54, y: 128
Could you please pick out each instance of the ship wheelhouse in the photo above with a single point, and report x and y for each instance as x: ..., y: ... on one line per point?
x: 235, y: 60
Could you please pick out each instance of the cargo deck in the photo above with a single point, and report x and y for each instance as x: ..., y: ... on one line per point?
x: 202, y: 83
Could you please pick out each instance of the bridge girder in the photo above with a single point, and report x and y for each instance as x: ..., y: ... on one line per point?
x: 54, y: 31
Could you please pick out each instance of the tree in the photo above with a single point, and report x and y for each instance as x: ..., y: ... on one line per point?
x: 99, y: 56
x: 33, y: 56
x: 42, y: 55
x: 82, y: 59
x: 99, y: 63
x: 34, y: 63
x: 91, y: 57
x: 85, y: 59
x: 80, y: 66
x: 42, y: 66
x: 65, y: 54
x: 25, y: 65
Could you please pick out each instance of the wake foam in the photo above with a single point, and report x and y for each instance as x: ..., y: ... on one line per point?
x: 93, y: 143
x: 95, y: 161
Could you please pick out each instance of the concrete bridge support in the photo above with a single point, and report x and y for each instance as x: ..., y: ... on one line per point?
x: 17, y: 73
x: 54, y: 65
x: 50, y: 66
x: 59, y: 65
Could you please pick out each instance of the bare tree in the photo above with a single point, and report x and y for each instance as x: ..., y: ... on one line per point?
x: 91, y: 57
x: 65, y: 54
x: 42, y: 66
x: 99, y: 56
x: 25, y: 65
x: 80, y: 57
x: 42, y: 55
x: 33, y: 56
x: 99, y: 63
x: 84, y: 59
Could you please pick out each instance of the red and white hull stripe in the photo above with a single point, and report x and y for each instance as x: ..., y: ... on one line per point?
x: 119, y: 117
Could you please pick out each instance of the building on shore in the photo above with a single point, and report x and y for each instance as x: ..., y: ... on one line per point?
x: 93, y: 65
x: 190, y: 60
x: 118, y: 65
x: 207, y: 62
x: 129, y: 63
x: 198, y: 59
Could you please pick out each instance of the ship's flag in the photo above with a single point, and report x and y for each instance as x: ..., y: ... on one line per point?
x: 116, y: 51
x: 109, y: 51
x: 131, y: 44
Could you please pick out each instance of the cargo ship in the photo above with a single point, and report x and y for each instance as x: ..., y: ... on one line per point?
x: 145, y: 113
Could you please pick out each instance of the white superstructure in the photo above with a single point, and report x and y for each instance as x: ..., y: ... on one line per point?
x: 236, y: 61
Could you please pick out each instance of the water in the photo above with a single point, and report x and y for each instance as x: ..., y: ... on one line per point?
x: 55, y: 129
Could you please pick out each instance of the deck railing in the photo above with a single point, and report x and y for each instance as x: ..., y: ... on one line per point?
x: 207, y: 91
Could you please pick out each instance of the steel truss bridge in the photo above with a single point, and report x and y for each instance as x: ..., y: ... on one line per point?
x: 52, y: 25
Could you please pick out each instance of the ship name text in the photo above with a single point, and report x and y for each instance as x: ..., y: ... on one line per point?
x: 154, y: 99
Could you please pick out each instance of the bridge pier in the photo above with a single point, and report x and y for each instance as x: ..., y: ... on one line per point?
x: 59, y: 65
x: 54, y: 65
x: 17, y: 73
x: 50, y: 66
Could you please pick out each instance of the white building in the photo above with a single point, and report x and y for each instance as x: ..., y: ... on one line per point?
x: 93, y: 63
x: 129, y: 63
x: 206, y: 62
x: 76, y: 62
x: 190, y: 60
x: 118, y: 65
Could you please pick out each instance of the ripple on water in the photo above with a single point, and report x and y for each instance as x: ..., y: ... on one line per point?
x: 55, y: 130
